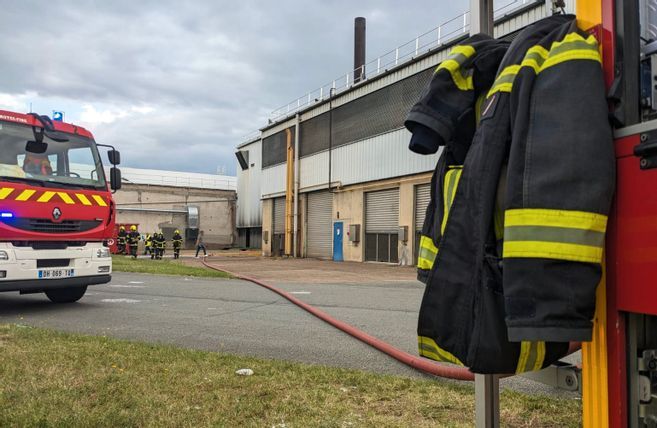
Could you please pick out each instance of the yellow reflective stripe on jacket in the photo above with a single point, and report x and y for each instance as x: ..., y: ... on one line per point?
x: 504, y: 82
x: 457, y: 56
x: 572, y: 47
x: 452, y: 178
x: 554, y: 234
x: 478, y: 104
x: 429, y: 348
x: 427, y: 253
x: 532, y: 356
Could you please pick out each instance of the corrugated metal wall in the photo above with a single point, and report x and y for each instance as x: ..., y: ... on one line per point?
x: 522, y: 20
x: 320, y: 224
x: 249, y: 205
x: 375, y: 113
x: 273, y: 181
x: 382, y: 211
x: 422, y: 198
x: 381, y: 156
x: 279, y: 215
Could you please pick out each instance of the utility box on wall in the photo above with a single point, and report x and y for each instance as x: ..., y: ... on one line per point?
x: 265, y: 236
x: 354, y: 233
x: 403, y: 233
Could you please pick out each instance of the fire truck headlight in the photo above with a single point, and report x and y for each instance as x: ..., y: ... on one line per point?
x: 103, y: 253
x: 4, y: 255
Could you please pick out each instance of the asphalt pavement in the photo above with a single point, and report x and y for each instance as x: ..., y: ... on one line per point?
x: 238, y: 317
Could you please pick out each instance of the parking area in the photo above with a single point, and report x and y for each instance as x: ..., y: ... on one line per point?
x: 309, y: 271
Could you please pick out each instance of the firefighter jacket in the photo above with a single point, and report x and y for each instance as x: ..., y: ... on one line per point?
x: 133, y: 238
x: 177, y: 240
x: 456, y: 90
x: 518, y: 234
x: 122, y: 237
x: 158, y: 241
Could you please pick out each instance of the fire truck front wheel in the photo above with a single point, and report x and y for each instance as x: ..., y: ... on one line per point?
x: 66, y: 295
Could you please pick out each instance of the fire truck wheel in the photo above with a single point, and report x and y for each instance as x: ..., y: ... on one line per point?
x: 66, y: 295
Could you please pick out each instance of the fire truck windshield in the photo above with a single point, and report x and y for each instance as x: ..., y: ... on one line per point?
x: 73, y: 163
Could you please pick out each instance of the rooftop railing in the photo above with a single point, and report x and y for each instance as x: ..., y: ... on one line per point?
x: 434, y: 39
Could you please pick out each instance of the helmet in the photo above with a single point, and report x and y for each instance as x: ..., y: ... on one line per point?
x: 122, y: 228
x: 133, y: 227
x: 177, y: 231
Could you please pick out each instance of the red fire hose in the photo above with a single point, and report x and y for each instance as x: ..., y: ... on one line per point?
x: 426, y: 366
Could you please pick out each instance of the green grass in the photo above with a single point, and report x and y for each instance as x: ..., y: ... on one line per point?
x: 56, y: 379
x: 162, y: 267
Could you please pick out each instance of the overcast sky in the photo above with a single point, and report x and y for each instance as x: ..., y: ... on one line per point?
x: 176, y: 85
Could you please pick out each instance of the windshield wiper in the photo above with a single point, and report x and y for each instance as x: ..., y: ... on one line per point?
x: 23, y: 180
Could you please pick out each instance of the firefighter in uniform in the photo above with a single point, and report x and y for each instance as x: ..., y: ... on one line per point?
x: 122, y: 240
x: 148, y: 245
x: 159, y: 243
x: 177, y: 243
x: 133, y: 240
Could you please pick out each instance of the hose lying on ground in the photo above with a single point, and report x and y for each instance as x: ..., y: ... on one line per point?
x: 426, y: 366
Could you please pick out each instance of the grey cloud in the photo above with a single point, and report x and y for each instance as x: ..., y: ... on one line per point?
x: 211, y: 70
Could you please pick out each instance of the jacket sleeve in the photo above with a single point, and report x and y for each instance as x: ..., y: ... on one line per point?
x: 560, y: 179
x: 435, y: 118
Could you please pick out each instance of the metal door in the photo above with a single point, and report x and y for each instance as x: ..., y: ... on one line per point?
x: 338, y: 232
x: 279, y: 215
x: 319, y: 220
x: 382, y: 225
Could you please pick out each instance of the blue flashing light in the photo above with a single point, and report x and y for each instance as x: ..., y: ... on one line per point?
x: 6, y: 215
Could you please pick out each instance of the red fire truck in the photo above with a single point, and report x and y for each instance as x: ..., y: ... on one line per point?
x: 56, y: 210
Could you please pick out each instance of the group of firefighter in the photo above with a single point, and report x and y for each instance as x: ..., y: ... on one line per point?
x: 155, y: 244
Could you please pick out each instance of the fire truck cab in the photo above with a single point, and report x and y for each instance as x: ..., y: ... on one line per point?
x: 56, y: 209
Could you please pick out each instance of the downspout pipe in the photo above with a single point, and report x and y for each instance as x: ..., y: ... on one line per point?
x: 295, y: 252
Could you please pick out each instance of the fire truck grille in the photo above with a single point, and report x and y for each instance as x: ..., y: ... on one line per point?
x: 47, y: 226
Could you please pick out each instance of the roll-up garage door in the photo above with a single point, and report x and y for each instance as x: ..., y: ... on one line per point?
x: 422, y: 197
x: 382, y: 211
x: 381, y: 225
x: 320, y: 225
x: 279, y: 215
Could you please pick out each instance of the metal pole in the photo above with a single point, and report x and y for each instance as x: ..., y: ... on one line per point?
x: 295, y: 234
x: 487, y: 401
x: 330, y: 137
x: 481, y: 17
x: 487, y: 387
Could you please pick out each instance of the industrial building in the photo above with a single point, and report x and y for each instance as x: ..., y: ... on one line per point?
x: 170, y: 200
x: 331, y: 175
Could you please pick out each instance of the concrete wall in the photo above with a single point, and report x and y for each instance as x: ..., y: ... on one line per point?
x: 216, y: 210
x: 348, y: 207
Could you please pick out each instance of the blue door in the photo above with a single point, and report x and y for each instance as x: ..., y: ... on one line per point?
x: 337, y: 241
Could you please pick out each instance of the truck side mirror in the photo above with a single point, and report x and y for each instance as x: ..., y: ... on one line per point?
x: 114, y: 157
x: 115, y: 178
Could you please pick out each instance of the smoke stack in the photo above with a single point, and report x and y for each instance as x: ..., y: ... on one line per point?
x: 359, y: 49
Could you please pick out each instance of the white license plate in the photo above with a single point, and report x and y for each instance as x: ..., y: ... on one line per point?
x: 56, y: 273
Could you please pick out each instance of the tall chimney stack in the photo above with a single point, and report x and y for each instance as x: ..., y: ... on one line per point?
x: 359, y: 49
